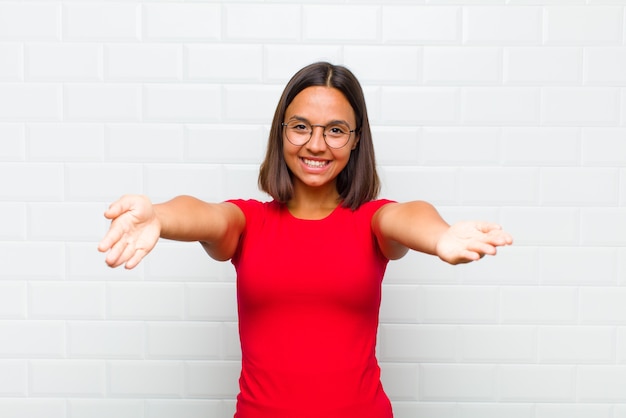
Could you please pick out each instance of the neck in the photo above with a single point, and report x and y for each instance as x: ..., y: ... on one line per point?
x: 313, y: 203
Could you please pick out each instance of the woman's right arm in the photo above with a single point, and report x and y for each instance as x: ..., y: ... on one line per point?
x: 137, y: 224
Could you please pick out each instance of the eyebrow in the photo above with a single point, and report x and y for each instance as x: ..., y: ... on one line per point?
x: 332, y: 122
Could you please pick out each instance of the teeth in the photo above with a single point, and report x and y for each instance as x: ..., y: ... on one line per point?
x: 312, y: 163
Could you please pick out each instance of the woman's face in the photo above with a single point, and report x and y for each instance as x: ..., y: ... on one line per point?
x: 315, y: 164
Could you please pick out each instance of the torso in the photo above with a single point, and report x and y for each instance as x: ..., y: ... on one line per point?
x: 309, y: 295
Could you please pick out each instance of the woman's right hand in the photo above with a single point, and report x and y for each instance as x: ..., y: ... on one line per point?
x: 134, y: 231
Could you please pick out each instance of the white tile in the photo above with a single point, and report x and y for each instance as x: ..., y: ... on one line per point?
x: 13, y: 378
x: 144, y: 142
x: 499, y: 186
x: 450, y: 382
x: 189, y: 408
x: 199, y: 341
x: 98, y: 339
x: 102, y: 103
x: 13, y: 147
x: 33, y: 408
x: 143, y: 62
x: 538, y: 305
x: 30, y: 21
x: 537, y: 383
x: 66, y: 300
x: 72, y: 221
x: 37, y: 181
x: 67, y: 377
x: 182, y: 103
x: 282, y: 22
x: 217, y: 379
x: 11, y: 62
x: 64, y: 142
x: 87, y: 182
x: 500, y: 105
x: 542, y: 226
x: 182, y: 21
x: 584, y: 25
x: 567, y: 186
x: 494, y: 343
x: 384, y: 64
x: 224, y: 63
x: 417, y: 343
x: 145, y: 301
x: 420, y: 105
x: 32, y: 339
x: 605, y: 66
x: 30, y: 102
x: 576, y: 345
x: 458, y: 305
x: 512, y: 25
x: 142, y: 378
x: 13, y: 221
x: 575, y: 106
x: 97, y: 21
x: 602, y: 305
x: 604, y: 146
x: 421, y: 24
x: 336, y: 22
x: 13, y: 300
x: 462, y: 65
x: 543, y: 65
x: 601, y: 383
x: 104, y: 408
x: 63, y: 62
x: 603, y: 226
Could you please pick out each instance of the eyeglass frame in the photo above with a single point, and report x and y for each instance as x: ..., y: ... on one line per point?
x: 350, y: 132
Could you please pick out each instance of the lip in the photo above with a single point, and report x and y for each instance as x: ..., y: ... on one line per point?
x: 308, y: 167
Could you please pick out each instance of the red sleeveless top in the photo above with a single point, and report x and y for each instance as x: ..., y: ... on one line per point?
x: 308, y: 295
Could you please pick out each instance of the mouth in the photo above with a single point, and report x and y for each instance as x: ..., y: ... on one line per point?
x: 315, y: 163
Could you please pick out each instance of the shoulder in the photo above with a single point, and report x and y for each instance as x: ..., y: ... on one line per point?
x: 252, y: 204
x: 384, y: 220
x: 372, y: 207
x: 254, y: 209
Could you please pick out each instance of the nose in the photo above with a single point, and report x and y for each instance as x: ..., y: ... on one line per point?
x: 317, y: 141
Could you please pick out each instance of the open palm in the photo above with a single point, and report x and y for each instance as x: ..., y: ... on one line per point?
x: 469, y: 241
x: 134, y: 231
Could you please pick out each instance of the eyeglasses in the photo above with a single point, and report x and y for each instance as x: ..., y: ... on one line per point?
x: 335, y: 135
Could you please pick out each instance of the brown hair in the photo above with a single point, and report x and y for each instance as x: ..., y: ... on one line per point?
x: 358, y: 182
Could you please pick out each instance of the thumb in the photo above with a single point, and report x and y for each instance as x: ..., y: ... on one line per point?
x: 123, y: 204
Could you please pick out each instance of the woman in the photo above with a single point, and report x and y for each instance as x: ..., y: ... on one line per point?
x: 310, y: 263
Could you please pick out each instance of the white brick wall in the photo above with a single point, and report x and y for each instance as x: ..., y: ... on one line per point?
x: 507, y: 110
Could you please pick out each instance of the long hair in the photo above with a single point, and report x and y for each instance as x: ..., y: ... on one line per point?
x: 358, y: 182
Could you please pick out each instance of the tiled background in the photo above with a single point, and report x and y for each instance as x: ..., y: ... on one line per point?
x: 513, y: 111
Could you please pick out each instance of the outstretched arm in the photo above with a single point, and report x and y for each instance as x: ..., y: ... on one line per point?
x: 137, y: 224
x: 418, y: 226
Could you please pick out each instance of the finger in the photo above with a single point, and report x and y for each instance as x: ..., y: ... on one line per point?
x: 115, y: 256
x: 123, y: 204
x: 135, y: 259
x: 499, y: 238
x: 129, y: 252
x: 111, y: 237
x: 482, y: 248
x: 465, y: 256
x: 487, y: 227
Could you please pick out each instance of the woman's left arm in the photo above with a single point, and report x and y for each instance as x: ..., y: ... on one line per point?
x: 418, y: 226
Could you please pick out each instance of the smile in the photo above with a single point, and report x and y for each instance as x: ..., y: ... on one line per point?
x: 315, y: 163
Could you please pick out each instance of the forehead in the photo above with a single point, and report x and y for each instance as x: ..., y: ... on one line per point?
x: 320, y: 102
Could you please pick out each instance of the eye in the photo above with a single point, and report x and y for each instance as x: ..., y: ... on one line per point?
x: 337, y: 130
x: 299, y: 127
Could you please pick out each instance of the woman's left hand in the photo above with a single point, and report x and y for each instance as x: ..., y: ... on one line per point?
x: 468, y: 241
